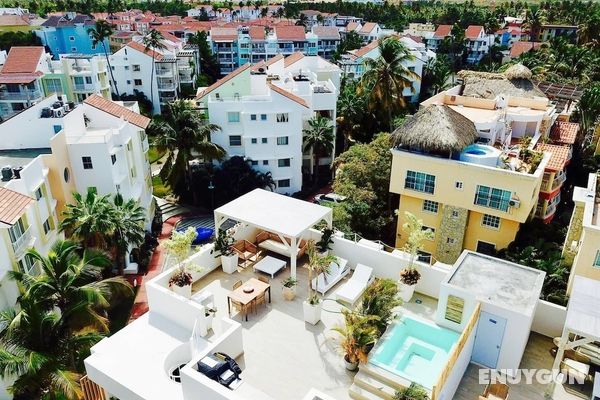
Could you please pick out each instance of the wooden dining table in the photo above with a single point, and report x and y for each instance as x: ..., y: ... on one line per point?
x: 242, y: 295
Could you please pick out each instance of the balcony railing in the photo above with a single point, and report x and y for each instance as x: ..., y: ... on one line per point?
x: 166, y: 86
x: 22, y: 95
x: 20, y: 245
x: 82, y: 87
x: 164, y: 72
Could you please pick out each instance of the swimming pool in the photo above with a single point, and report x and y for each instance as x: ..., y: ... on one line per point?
x: 416, y: 350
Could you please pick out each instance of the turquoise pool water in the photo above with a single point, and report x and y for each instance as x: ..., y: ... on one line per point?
x: 416, y: 350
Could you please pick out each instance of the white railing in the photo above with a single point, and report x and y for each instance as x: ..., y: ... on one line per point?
x: 19, y: 245
x: 83, y: 87
x: 22, y: 95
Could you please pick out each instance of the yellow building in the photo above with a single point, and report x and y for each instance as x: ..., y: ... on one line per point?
x: 582, y: 244
x: 472, y: 196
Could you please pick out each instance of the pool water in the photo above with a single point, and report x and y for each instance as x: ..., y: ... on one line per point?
x: 416, y: 350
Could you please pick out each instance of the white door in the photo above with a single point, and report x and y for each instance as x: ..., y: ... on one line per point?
x: 488, y: 339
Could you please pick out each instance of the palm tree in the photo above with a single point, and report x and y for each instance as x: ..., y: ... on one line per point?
x: 153, y: 41
x: 387, y: 76
x: 534, y: 21
x: 182, y: 131
x: 129, y: 231
x: 438, y: 74
x: 99, y: 34
x: 351, y: 111
x: 302, y: 20
x: 90, y: 219
x: 318, y: 138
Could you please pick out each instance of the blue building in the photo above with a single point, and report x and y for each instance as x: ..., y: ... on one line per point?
x: 68, y: 34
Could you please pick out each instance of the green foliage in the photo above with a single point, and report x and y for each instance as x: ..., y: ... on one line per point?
x: 153, y: 41
x: 154, y: 154
x: 209, y: 65
x: 588, y: 109
x: 358, y: 335
x: 99, y: 34
x: 351, y: 41
x: 363, y: 176
x: 223, y: 243
x: 159, y: 189
x: 354, y: 121
x: 324, y: 243
x: 379, y: 300
x: 9, y: 39
x: 317, y: 264
x: 436, y: 76
x: 179, y: 246
x: 318, y: 138
x: 413, y: 392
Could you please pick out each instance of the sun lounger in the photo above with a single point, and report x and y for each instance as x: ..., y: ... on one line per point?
x: 337, y: 270
x: 351, y: 291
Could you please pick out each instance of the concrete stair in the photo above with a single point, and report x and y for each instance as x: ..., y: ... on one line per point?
x: 371, y: 383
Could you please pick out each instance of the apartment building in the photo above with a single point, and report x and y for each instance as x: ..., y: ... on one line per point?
x: 20, y: 79
x: 174, y: 69
x: 353, y: 63
x: 550, y: 31
x: 478, y: 43
x: 262, y: 109
x: 441, y: 32
x: 462, y: 165
x: 582, y: 244
x: 68, y: 34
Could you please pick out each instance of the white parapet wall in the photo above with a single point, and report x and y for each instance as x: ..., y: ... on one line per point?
x: 549, y: 319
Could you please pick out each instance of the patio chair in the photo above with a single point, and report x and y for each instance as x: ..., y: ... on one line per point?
x: 351, y: 291
x: 247, y: 252
x: 243, y: 308
x: 495, y: 391
x: 263, y: 279
x: 260, y: 299
x: 237, y: 285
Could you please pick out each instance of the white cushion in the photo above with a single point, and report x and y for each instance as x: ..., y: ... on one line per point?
x: 276, y: 247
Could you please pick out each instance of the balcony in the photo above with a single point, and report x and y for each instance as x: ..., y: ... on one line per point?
x: 145, y: 145
x: 185, y: 77
x: 23, y: 95
x: 83, y: 87
x: 166, y: 85
x: 164, y: 72
x: 20, y: 245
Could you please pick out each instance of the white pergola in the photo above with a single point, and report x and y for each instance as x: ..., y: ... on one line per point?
x: 582, y: 324
x: 282, y: 215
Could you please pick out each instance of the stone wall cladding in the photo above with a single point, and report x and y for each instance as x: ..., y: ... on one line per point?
x: 453, y: 228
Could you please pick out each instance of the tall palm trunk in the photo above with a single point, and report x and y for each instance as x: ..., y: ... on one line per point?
x: 112, y: 76
x: 316, y: 168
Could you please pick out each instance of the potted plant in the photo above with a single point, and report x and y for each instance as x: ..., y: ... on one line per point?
x: 289, y: 288
x: 223, y: 248
x: 414, y: 243
x: 179, y: 247
x: 413, y: 392
x: 323, y: 245
x: 358, y: 336
x: 380, y: 299
x: 317, y: 264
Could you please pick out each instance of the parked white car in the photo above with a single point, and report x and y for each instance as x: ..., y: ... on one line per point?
x: 330, y: 197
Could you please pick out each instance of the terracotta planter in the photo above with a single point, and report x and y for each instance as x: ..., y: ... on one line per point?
x: 185, y: 291
x: 229, y: 263
x: 350, y: 366
x: 289, y: 293
x: 406, y: 292
x: 312, y: 313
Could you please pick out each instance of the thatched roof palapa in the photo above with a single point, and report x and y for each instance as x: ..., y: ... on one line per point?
x: 516, y: 81
x: 436, y: 128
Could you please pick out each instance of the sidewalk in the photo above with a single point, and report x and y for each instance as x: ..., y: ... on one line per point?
x: 140, y: 305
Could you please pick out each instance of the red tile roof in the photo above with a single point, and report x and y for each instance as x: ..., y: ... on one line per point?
x: 365, y: 49
x: 22, y: 59
x: 117, y: 110
x: 290, y: 32
x: 289, y: 95
x: 442, y: 31
x: 225, y: 34
x: 273, y: 60
x: 257, y: 33
x: 564, y: 132
x: 519, y: 48
x: 292, y: 58
x: 142, y: 49
x: 12, y: 205
x: 368, y: 27
x: 560, y: 155
x: 351, y: 26
x: 224, y: 79
x: 326, y: 32
x: 473, y: 31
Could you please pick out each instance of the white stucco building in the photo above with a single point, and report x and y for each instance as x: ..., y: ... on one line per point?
x: 263, y: 108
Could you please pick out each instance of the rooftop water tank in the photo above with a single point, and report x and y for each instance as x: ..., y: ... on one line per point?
x: 481, y: 154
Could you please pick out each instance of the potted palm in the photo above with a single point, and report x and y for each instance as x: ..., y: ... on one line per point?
x: 317, y: 264
x: 414, y: 243
x: 380, y: 299
x: 358, y: 336
x: 179, y: 246
x: 223, y: 248
x: 289, y: 288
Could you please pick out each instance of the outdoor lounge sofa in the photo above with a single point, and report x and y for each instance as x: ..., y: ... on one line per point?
x: 351, y: 291
x: 272, y: 242
x: 246, y: 251
x: 337, y: 270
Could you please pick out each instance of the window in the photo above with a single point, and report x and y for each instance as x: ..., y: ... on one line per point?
x: 66, y: 175
x: 419, y: 181
x: 38, y: 193
x: 254, y: 140
x: 450, y: 241
x: 283, y: 183
x: 597, y: 259
x: 492, y: 197
x: 252, y: 117
x: 26, y: 264
x: 47, y: 227
x: 283, y: 141
x: 233, y: 117
x: 454, y: 309
x: 283, y: 162
x: 73, y: 49
x: 486, y: 248
x: 454, y: 214
x: 57, y: 128
x: 424, y: 256
x: 113, y: 158
x: 235, y: 140
x: 263, y: 117
x: 282, y: 117
x: 128, y: 82
x: 265, y: 162
x: 490, y: 221
x: 137, y: 82
x: 87, y: 162
x: 127, y: 68
x: 253, y: 162
x: 264, y: 140
x: 136, y: 68
x: 72, y: 38
x: 88, y: 80
x: 16, y: 231
x: 430, y: 206
x: 458, y: 185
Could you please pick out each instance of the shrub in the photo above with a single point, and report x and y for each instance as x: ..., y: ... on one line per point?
x: 410, y: 276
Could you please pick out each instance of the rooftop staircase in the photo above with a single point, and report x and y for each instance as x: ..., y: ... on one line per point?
x: 373, y: 383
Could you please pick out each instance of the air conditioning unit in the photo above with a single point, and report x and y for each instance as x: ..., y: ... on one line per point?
x: 66, y: 108
x: 515, y: 203
x: 57, y: 112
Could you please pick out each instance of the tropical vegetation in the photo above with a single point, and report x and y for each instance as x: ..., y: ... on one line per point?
x: 99, y: 35
x: 318, y: 138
